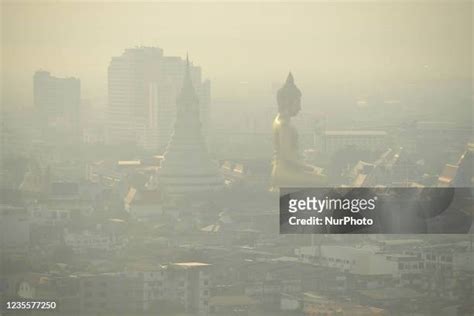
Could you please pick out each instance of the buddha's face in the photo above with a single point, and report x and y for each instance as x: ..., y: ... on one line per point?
x: 294, y: 107
x: 289, y: 98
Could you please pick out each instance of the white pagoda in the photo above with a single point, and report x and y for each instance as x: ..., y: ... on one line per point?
x: 186, y: 166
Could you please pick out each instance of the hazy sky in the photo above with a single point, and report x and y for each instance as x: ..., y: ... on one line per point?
x: 341, y: 42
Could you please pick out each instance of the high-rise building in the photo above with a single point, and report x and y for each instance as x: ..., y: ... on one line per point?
x: 57, y: 101
x: 142, y: 86
x: 186, y: 166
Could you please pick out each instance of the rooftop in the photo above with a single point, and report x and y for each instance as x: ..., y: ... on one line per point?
x: 128, y: 162
x: 231, y: 300
x: 354, y: 133
x: 191, y: 264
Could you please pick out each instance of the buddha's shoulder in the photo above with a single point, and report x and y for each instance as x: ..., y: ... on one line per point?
x: 280, y: 122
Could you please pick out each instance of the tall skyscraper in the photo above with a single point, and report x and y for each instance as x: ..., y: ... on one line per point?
x: 57, y: 101
x: 187, y: 167
x: 142, y: 88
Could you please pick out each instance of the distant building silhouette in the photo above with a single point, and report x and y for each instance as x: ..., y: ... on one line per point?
x: 332, y: 141
x: 57, y: 101
x: 142, y: 88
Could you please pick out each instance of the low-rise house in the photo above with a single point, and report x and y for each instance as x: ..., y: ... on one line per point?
x: 14, y: 232
x: 238, y: 305
x: 84, y: 241
x: 188, y: 283
x: 315, y: 305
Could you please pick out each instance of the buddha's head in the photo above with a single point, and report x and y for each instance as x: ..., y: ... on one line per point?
x: 289, y: 98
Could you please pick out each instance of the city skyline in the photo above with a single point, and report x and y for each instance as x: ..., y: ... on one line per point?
x: 138, y: 180
x: 345, y: 45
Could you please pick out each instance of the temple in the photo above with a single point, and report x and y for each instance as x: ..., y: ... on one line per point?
x: 186, y: 166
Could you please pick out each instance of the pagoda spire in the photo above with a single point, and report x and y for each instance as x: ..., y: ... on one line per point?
x: 187, y: 98
x: 290, y: 79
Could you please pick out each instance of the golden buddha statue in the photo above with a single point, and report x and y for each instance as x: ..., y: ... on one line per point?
x: 288, y: 169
